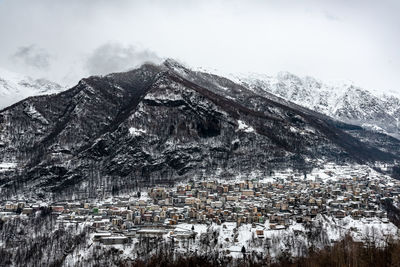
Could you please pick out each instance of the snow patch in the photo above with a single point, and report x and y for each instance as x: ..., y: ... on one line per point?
x: 166, y: 96
x: 34, y: 114
x: 244, y: 127
x: 374, y: 128
x: 7, y: 166
x: 136, y: 131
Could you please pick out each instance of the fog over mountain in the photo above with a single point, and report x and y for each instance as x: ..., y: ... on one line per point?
x: 329, y: 40
x: 15, y: 87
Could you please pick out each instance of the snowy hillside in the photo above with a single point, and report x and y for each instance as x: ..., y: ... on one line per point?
x: 343, y: 101
x: 15, y: 87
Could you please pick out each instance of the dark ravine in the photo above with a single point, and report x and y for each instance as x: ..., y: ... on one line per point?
x: 163, y: 123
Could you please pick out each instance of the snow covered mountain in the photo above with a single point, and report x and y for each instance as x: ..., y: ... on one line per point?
x: 163, y: 123
x: 14, y: 87
x: 345, y: 102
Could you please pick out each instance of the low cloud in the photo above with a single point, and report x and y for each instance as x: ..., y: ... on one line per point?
x: 115, y: 57
x: 33, y: 56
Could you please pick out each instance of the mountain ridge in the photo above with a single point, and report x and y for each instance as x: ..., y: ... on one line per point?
x: 345, y: 102
x: 160, y: 124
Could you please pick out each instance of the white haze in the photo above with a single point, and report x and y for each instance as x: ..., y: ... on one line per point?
x: 331, y: 40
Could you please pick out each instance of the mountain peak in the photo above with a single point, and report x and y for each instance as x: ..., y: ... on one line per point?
x: 176, y: 66
x: 285, y: 75
x: 147, y: 125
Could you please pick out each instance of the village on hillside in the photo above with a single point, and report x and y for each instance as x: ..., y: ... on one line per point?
x: 266, y: 204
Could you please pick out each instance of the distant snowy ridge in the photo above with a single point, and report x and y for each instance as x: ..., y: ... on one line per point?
x: 343, y: 101
x: 15, y: 87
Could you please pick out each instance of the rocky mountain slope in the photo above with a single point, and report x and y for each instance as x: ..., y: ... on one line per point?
x: 15, y: 87
x: 162, y: 123
x: 345, y: 102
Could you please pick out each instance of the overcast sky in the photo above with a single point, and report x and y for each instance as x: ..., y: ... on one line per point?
x: 354, y: 40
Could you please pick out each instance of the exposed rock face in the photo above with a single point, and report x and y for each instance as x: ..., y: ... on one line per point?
x: 164, y: 123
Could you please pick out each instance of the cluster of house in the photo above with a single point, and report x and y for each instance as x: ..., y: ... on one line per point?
x: 279, y: 201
